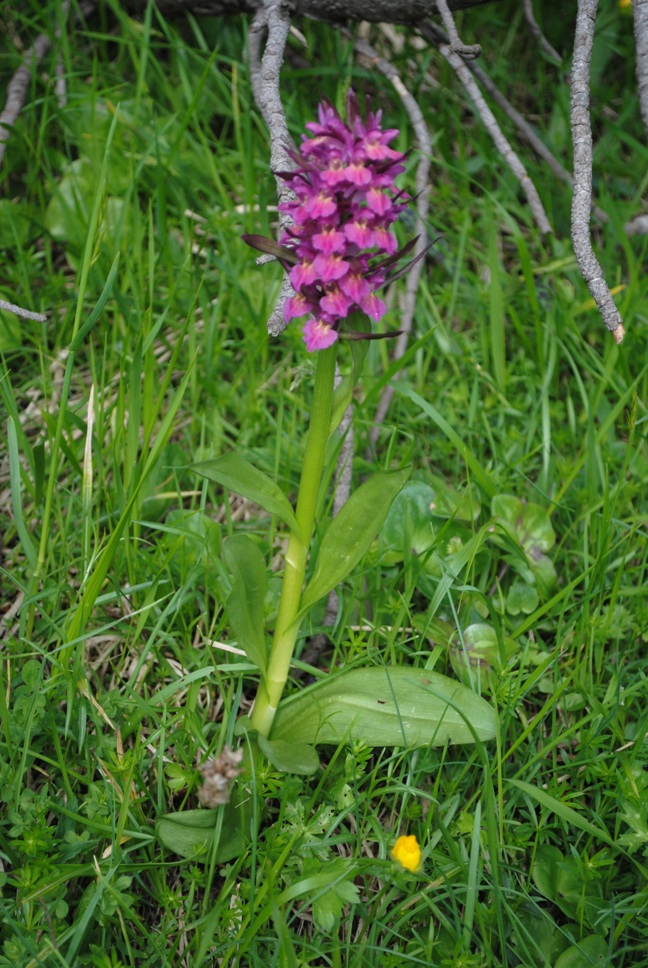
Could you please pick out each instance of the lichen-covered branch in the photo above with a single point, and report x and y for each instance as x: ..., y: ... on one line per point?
x: 640, y: 14
x: 273, y: 22
x: 23, y: 313
x: 18, y: 87
x: 582, y: 198
x: 19, y: 83
x: 408, y: 12
x: 467, y: 51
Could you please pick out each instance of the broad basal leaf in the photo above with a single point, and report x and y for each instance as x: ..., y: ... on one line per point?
x: 385, y: 706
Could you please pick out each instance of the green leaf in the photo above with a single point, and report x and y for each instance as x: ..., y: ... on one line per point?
x: 98, y: 309
x: 409, y: 522
x: 28, y: 545
x: 328, y: 889
x: 237, y: 474
x: 569, y: 815
x: 521, y: 598
x: 18, y: 223
x: 390, y: 706
x: 591, y: 951
x: 350, y: 534
x: 561, y: 879
x: 246, y: 599
x: 460, y: 505
x: 481, y: 476
x: 479, y: 648
x: 527, y: 525
x: 190, y: 833
x: 192, y: 538
x: 328, y: 905
x: 289, y: 757
x: 93, y: 586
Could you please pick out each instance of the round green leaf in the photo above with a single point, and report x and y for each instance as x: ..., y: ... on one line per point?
x: 592, y: 950
x: 293, y: 757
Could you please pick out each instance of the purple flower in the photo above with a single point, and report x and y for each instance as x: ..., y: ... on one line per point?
x: 345, y: 202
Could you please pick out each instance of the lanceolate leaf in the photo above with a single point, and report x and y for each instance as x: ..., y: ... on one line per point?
x: 243, y: 478
x: 350, y: 533
x: 385, y: 706
x: 245, y: 601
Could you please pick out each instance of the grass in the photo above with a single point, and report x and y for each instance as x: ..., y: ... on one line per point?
x: 112, y: 690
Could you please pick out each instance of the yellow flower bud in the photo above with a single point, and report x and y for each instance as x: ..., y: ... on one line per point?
x: 407, y: 853
x: 625, y: 4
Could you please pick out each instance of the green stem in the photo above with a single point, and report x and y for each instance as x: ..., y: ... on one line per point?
x: 287, y: 628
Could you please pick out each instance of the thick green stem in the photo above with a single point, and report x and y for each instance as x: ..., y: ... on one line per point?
x: 287, y: 627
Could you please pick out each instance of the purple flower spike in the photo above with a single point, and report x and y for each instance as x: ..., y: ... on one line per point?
x: 345, y: 203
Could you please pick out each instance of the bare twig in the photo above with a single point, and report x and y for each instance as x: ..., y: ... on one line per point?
x: 640, y: 14
x: 424, y: 146
x: 467, y: 51
x: 493, y: 128
x: 331, y: 11
x: 527, y: 6
x: 582, y: 198
x: 520, y: 122
x: 265, y: 71
x: 23, y: 313
x: 19, y: 83
x: 17, y: 88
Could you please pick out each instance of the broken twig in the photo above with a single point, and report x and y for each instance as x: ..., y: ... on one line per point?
x: 23, y: 313
x: 467, y: 51
x: 490, y: 122
x: 527, y: 6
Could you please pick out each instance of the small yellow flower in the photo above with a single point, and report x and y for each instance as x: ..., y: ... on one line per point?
x: 407, y: 853
x: 625, y: 4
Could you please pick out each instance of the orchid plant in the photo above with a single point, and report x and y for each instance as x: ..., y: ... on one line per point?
x: 339, y: 250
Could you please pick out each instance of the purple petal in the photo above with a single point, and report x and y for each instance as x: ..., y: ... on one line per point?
x: 359, y: 232
x: 374, y: 307
x: 329, y: 240
x: 297, y: 305
x: 303, y: 275
x: 336, y: 303
x: 330, y: 267
x: 355, y: 287
x: 318, y: 335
